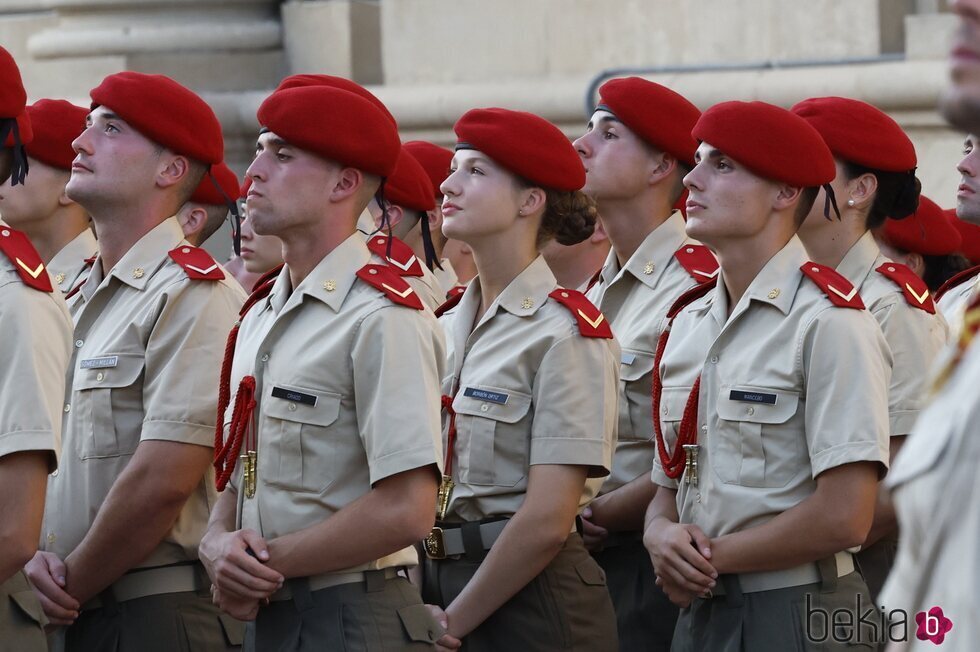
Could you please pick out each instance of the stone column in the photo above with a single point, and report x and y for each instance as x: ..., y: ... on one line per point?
x: 209, y: 45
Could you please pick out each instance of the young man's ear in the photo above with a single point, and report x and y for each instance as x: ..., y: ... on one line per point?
x: 192, y: 219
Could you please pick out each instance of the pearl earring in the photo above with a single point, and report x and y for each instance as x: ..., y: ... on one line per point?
x: 521, y: 212
x: 850, y: 202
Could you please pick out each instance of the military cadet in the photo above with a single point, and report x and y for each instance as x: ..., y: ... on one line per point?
x: 636, y: 151
x: 208, y: 207
x: 766, y: 475
x: 261, y: 254
x: 934, y: 479
x: 435, y: 161
x: 577, y: 266
x: 530, y: 398
x: 130, y: 503
x: 875, y: 163
x: 403, y: 228
x: 954, y: 295
x: 460, y: 256
x: 336, y: 401
x: 35, y: 348
x: 56, y: 225
x: 926, y: 242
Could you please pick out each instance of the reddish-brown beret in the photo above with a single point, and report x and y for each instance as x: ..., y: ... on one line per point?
x: 928, y: 231
x: 56, y: 123
x: 655, y: 113
x: 772, y: 142
x: 527, y: 145
x: 165, y: 112
x: 207, y: 194
x: 859, y: 133
x: 335, y: 124
x: 409, y: 185
x: 435, y: 161
x: 13, y: 99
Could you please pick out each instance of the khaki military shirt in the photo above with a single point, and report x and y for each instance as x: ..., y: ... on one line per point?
x: 528, y: 389
x: 347, y: 385
x: 934, y: 484
x: 915, y: 337
x: 954, y: 303
x: 148, y: 347
x: 791, y: 386
x: 635, y: 299
x: 35, y: 344
x: 446, y: 277
x: 68, y: 268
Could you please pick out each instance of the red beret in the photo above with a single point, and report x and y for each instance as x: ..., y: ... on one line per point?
x: 655, y: 113
x: 528, y: 146
x: 335, y: 124
x: 969, y: 235
x: 435, y: 161
x: 859, y: 133
x: 774, y: 143
x: 56, y: 125
x: 13, y: 99
x: 165, y: 112
x: 207, y: 194
x: 299, y: 81
x: 409, y: 186
x: 928, y: 231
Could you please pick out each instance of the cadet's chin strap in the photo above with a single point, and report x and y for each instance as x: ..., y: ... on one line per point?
x: 20, y: 166
x: 831, y: 200
x: 236, y: 224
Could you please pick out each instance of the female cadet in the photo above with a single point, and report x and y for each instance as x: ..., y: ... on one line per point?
x: 875, y: 179
x: 530, y: 400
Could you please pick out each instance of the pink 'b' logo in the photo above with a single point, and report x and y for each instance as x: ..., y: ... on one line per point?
x: 933, y: 625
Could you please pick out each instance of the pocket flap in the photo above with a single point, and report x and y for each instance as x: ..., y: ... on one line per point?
x: 29, y: 604
x: 757, y: 404
x: 108, y: 371
x: 419, y: 624
x: 672, y: 402
x: 234, y: 629
x: 494, y: 403
x: 590, y: 573
x: 301, y: 404
x: 635, y: 365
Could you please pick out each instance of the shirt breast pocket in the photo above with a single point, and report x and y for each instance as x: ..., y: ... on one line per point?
x: 108, y: 406
x: 296, y: 441
x: 493, y: 438
x: 759, y: 444
x: 635, y: 419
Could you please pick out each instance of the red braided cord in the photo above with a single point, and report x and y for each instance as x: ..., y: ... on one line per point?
x: 447, y: 405
x: 241, y: 420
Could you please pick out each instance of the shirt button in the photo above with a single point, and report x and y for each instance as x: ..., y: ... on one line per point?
x: 67, y: 407
x: 714, y: 359
x: 292, y: 407
x: 79, y: 343
x: 484, y: 407
x: 51, y: 537
x: 54, y: 474
x: 665, y: 410
x: 704, y: 428
x: 265, y: 357
x: 751, y: 410
x: 100, y: 376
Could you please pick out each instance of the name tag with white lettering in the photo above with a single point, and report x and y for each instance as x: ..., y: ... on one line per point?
x: 486, y: 395
x: 100, y: 363
x: 294, y: 396
x: 752, y: 397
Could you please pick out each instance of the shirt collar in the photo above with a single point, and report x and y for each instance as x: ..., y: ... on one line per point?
x: 141, y: 262
x: 330, y: 281
x: 653, y: 255
x: 860, y: 260
x: 73, y: 255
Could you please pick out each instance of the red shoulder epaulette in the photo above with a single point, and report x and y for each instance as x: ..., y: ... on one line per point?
x: 25, y: 258
x: 391, y: 284
x: 402, y: 258
x: 198, y: 263
x: 956, y: 280
x: 914, y: 289
x: 699, y: 262
x: 838, y: 289
x: 591, y: 322
x: 455, y: 295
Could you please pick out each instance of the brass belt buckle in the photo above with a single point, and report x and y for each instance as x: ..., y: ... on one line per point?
x: 434, y: 545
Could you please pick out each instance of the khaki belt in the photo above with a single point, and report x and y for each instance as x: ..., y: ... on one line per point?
x: 140, y: 583
x: 448, y: 541
x: 781, y: 579
x: 326, y: 580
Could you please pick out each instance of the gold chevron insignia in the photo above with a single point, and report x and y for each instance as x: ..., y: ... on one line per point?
x: 845, y: 297
x: 920, y: 298
x: 404, y: 294
x: 593, y: 324
x: 203, y: 271
x: 33, y: 272
x: 708, y: 274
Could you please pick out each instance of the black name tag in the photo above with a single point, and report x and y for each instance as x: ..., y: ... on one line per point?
x: 752, y: 397
x: 485, y: 395
x: 293, y: 395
